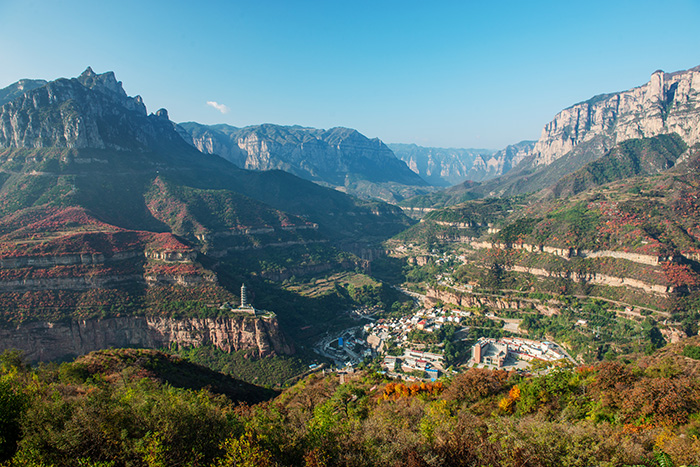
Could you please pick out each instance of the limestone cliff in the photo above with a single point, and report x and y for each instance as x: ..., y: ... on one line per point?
x: 91, y: 111
x: 668, y: 103
x: 450, y: 166
x: 340, y: 157
x: 42, y: 341
x: 20, y: 87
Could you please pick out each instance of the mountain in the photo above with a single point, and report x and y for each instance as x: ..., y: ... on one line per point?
x: 107, y: 215
x: 17, y: 89
x: 439, y: 166
x: 604, y: 204
x: 624, y: 227
x: 669, y: 103
x: 450, y: 166
x: 339, y: 157
x: 630, y: 158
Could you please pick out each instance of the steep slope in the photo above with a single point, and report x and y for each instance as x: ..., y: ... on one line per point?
x: 339, y: 157
x: 87, y: 128
x: 445, y: 167
x: 112, y: 226
x: 17, y: 89
x: 668, y: 104
x: 634, y: 157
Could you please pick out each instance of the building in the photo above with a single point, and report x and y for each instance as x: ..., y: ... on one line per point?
x: 490, y: 352
x: 245, y: 306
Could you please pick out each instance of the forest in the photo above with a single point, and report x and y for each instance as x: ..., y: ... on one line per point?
x: 144, y: 408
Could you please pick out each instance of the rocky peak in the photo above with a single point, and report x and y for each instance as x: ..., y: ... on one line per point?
x: 105, y: 82
x: 668, y: 103
x: 90, y: 111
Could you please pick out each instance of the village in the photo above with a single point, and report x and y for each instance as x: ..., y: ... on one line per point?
x: 412, y: 361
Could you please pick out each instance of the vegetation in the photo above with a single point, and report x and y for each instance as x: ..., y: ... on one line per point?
x: 272, y: 371
x: 109, y: 409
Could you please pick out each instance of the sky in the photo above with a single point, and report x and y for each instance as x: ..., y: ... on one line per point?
x: 471, y: 74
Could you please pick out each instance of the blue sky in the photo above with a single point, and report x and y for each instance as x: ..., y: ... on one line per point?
x: 461, y: 74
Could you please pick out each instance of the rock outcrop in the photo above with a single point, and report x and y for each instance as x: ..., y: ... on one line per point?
x: 668, y: 103
x: 42, y: 341
x: 66, y: 113
x: 450, y: 166
x: 15, y: 90
x: 341, y: 157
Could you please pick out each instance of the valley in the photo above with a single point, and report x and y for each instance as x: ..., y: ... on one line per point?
x: 126, y: 238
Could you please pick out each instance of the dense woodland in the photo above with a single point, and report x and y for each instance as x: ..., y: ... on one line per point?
x: 144, y: 408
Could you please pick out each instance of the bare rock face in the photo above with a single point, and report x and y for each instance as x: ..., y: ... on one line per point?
x: 91, y: 111
x: 340, y: 157
x: 43, y: 341
x: 314, y: 154
x: 668, y: 103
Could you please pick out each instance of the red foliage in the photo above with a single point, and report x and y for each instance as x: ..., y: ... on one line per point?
x: 177, y: 269
x: 166, y: 242
x: 680, y: 274
x: 398, y: 390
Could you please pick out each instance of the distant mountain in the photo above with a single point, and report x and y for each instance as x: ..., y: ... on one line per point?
x: 439, y: 166
x: 450, y: 166
x: 339, y: 157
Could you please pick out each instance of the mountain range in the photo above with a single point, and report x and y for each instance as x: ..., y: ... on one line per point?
x: 341, y: 158
x: 450, y: 166
x: 107, y: 211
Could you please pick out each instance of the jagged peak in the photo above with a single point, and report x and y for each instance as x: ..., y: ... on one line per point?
x: 101, y: 82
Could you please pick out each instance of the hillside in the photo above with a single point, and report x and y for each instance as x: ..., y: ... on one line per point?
x: 668, y: 104
x: 338, y: 157
x: 114, y: 229
x: 624, y: 227
x: 128, y: 407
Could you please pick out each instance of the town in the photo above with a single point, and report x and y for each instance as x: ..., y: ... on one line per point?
x: 389, y: 341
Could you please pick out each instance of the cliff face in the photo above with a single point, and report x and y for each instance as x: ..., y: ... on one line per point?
x: 445, y: 167
x: 51, y: 341
x: 441, y: 166
x: 341, y: 157
x: 91, y: 111
x: 20, y: 87
x: 668, y: 103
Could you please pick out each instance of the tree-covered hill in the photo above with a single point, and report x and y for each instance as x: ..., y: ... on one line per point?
x: 128, y: 407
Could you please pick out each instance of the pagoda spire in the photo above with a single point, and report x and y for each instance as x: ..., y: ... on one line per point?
x: 244, y: 297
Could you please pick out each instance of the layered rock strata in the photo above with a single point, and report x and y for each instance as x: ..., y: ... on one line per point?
x: 42, y: 341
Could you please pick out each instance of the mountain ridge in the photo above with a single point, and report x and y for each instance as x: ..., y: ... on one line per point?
x: 339, y: 157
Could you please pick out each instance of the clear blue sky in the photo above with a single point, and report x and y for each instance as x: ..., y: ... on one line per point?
x: 462, y: 74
